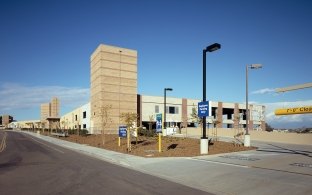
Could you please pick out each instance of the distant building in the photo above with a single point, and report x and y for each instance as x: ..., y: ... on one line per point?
x: 29, y: 124
x: 5, y: 120
x: 49, y: 114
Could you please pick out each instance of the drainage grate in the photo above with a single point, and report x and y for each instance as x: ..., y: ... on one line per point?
x: 240, y: 158
x: 302, y: 165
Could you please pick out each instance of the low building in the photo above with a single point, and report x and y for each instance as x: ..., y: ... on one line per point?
x: 29, y: 124
x: 77, y: 119
x: 178, y: 114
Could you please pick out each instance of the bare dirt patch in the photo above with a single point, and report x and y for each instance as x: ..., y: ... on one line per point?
x: 148, y: 146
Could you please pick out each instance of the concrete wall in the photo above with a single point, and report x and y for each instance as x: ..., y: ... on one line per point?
x: 290, y: 138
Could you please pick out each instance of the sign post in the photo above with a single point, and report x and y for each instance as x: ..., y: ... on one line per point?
x: 122, y: 133
x: 159, y: 129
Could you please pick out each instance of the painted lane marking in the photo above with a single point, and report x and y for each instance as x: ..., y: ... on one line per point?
x: 302, y: 165
x: 3, y: 142
x: 221, y: 163
x: 240, y: 158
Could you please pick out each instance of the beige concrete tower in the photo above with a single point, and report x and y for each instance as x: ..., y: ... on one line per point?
x: 44, y: 111
x: 55, y: 107
x: 113, y: 83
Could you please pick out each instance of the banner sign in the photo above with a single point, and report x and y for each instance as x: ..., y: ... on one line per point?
x: 297, y: 110
x: 204, y: 109
x: 158, y: 123
x: 122, y: 131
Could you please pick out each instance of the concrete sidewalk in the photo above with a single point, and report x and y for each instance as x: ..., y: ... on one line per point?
x: 272, y: 169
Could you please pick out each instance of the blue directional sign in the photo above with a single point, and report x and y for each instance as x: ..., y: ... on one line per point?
x: 122, y: 131
x: 203, y: 109
x: 158, y: 123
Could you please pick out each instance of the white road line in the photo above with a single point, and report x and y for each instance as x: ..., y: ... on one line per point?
x: 47, y: 145
x: 222, y: 163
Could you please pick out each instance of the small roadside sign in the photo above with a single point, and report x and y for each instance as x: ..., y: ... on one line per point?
x: 204, y: 109
x: 122, y: 131
x: 158, y: 123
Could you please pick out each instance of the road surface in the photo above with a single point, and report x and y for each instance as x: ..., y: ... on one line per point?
x: 32, y: 166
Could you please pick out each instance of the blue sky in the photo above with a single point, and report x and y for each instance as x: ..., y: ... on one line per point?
x: 58, y: 37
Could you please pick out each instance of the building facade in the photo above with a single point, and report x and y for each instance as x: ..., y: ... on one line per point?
x: 113, y: 84
x: 77, y: 119
x: 179, y: 113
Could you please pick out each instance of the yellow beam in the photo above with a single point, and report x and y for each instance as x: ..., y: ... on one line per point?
x: 297, y: 110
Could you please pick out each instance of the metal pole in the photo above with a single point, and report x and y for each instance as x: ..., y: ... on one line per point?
x: 165, y: 108
x: 204, y: 91
x: 247, y: 112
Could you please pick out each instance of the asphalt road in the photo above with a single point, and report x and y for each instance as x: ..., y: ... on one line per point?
x: 32, y: 166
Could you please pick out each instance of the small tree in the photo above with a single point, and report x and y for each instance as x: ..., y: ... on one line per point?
x: 150, y: 123
x: 129, y: 119
x: 63, y: 124
x: 104, y: 114
x: 194, y: 116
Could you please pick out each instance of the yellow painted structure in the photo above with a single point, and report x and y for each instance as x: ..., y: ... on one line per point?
x: 297, y: 110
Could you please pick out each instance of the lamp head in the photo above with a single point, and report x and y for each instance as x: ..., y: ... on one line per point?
x: 255, y: 66
x: 213, y: 47
x: 168, y: 89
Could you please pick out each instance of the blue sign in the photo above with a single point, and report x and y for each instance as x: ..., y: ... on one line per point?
x: 203, y: 109
x: 123, y: 131
x: 158, y: 123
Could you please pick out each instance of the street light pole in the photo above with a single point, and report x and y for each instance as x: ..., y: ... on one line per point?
x: 165, y: 90
x: 247, y: 136
x: 204, y: 91
x: 204, y: 139
x: 247, y: 113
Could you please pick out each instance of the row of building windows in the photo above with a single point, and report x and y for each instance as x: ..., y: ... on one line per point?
x: 84, y: 115
x: 169, y: 109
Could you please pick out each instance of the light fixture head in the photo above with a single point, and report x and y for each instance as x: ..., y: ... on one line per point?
x: 213, y: 47
x: 255, y: 66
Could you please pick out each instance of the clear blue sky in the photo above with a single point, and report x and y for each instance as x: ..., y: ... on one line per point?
x: 57, y: 37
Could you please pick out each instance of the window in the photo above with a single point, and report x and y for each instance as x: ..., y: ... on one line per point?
x: 84, y: 126
x: 156, y: 109
x: 84, y: 114
x: 76, y: 118
x: 172, y: 110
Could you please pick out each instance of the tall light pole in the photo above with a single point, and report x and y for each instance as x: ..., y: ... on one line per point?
x: 165, y: 90
x: 204, y: 139
x: 247, y: 136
